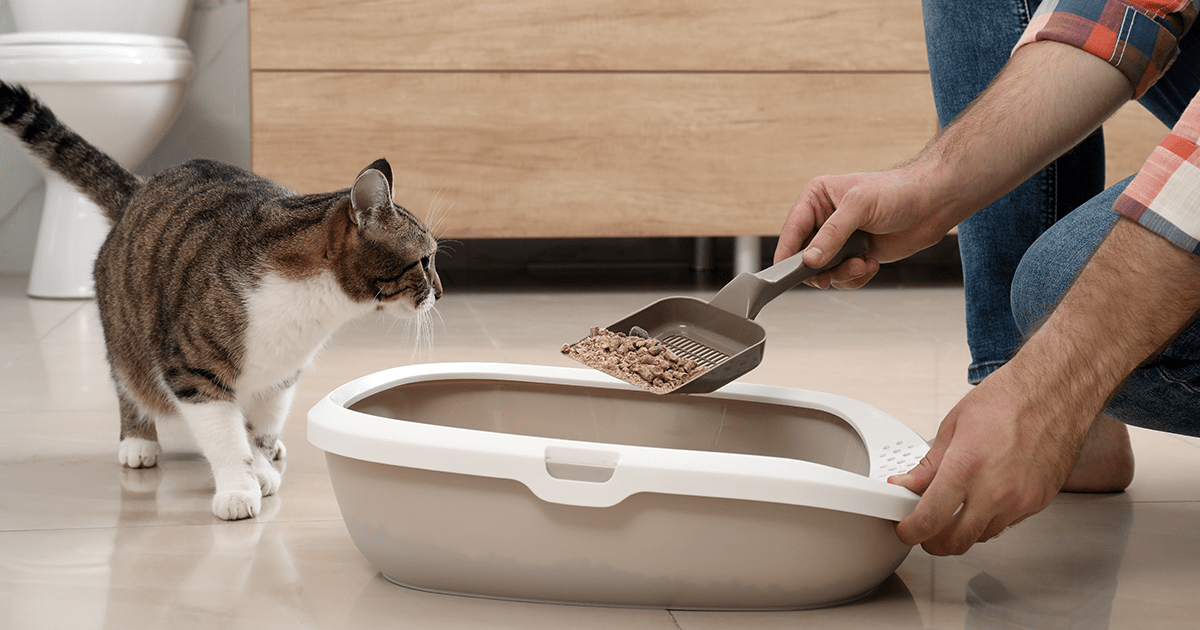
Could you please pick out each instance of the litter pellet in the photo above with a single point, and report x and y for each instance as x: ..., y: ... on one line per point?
x: 633, y: 358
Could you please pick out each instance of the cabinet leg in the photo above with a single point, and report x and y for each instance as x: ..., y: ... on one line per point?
x: 747, y: 254
x: 702, y: 257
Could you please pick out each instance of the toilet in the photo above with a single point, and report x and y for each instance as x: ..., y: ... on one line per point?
x: 116, y: 72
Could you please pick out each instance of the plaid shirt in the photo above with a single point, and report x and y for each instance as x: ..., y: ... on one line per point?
x: 1141, y: 39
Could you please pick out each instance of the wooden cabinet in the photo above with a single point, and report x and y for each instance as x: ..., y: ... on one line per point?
x: 587, y: 118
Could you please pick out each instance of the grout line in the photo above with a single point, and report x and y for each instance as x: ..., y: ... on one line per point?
x: 9, y: 213
x: 483, y: 327
x: 33, y: 345
x: 82, y: 304
x: 122, y: 526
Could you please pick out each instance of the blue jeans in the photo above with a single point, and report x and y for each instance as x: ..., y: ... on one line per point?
x: 968, y: 42
x: 1163, y: 394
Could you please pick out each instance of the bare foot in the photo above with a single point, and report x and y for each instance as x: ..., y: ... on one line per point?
x: 1105, y: 461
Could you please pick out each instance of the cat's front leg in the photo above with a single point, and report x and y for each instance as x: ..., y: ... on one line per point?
x: 220, y: 430
x: 266, y: 413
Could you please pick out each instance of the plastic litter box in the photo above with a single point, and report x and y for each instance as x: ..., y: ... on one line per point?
x: 565, y: 485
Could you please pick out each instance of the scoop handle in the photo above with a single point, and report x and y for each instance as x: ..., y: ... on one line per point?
x: 746, y: 294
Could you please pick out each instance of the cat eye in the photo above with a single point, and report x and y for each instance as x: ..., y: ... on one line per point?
x: 397, y: 277
x: 424, y: 262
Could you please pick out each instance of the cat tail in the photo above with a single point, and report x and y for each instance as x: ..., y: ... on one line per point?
x: 91, y: 170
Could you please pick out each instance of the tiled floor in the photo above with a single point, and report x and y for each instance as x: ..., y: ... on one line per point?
x: 85, y: 543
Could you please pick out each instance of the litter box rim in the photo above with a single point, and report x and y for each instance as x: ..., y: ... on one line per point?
x: 335, y: 428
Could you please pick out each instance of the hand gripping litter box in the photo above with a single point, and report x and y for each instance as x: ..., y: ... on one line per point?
x: 564, y: 485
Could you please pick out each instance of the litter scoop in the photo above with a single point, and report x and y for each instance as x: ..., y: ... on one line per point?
x: 721, y: 335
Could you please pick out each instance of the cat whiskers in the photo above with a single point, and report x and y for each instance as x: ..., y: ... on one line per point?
x: 446, y: 247
x: 418, y: 330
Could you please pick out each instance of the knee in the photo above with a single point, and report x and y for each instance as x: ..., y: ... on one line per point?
x: 1050, y: 265
x: 1038, y: 284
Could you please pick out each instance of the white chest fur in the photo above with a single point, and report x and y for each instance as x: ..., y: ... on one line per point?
x: 290, y: 320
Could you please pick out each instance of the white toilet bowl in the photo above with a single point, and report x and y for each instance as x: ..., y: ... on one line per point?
x: 166, y: 18
x: 121, y: 92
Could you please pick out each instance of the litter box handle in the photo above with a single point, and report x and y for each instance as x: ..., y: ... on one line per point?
x: 746, y: 294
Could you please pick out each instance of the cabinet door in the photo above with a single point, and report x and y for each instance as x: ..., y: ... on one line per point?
x: 588, y: 35
x: 588, y: 154
x: 587, y: 118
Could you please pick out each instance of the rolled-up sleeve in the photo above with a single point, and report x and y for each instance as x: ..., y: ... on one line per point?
x: 1165, y: 195
x: 1141, y: 39
x: 1138, y: 37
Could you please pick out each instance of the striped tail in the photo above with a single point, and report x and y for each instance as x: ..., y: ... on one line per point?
x: 92, y: 171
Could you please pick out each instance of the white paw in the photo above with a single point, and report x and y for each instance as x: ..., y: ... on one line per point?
x: 281, y: 451
x: 232, y: 505
x: 269, y: 479
x: 139, y: 453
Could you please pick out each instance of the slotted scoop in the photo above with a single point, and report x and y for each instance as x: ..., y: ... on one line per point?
x: 721, y: 335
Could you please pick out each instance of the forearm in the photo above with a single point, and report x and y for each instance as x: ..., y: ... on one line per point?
x: 1010, y: 444
x: 1135, y: 294
x: 1048, y: 98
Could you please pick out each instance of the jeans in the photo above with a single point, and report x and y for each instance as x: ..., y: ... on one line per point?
x: 1163, y: 394
x: 968, y: 42
x: 1022, y: 252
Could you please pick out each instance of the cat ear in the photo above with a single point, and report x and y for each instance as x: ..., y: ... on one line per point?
x: 384, y: 167
x: 371, y: 193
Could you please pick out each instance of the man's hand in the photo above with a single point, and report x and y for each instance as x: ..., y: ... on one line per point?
x: 1009, y: 445
x: 998, y: 457
x: 893, y: 205
x: 1047, y: 99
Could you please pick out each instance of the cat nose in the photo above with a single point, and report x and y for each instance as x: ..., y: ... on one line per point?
x: 437, y: 285
x: 433, y: 295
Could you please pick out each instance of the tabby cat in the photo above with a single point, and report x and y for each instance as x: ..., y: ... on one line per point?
x: 216, y: 288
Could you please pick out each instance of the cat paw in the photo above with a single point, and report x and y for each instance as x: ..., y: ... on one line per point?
x: 139, y: 453
x: 271, y: 448
x: 233, y: 505
x: 269, y: 479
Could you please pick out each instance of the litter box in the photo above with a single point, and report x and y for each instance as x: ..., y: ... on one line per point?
x: 565, y: 485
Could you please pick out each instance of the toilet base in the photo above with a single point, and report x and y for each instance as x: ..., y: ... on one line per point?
x: 72, y: 230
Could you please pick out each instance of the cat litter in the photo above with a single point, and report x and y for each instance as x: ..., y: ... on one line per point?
x: 720, y: 334
x: 635, y: 358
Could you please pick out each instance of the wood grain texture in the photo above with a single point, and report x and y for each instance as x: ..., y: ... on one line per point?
x: 555, y: 118
x: 588, y: 154
x: 587, y: 35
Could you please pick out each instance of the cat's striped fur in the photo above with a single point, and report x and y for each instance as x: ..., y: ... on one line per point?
x: 216, y: 288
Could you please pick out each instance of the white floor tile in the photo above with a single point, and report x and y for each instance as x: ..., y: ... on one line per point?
x: 85, y: 543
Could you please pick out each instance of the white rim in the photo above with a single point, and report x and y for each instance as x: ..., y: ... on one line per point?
x: 336, y: 429
x: 42, y: 58
x: 73, y: 38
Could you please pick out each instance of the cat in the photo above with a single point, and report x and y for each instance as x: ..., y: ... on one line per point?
x: 216, y: 288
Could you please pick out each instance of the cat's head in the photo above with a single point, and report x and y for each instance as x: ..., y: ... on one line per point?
x: 387, y: 254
